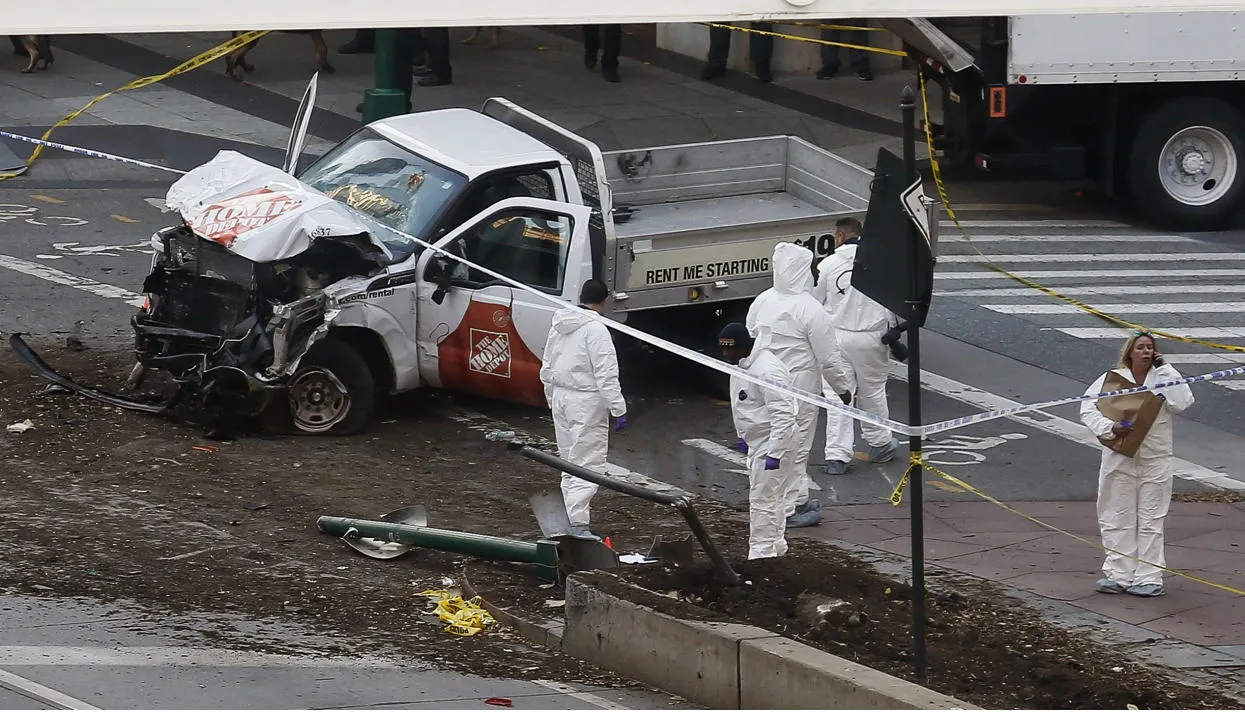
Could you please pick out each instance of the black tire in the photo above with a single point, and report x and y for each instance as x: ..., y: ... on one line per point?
x: 345, y: 364
x: 1144, y: 177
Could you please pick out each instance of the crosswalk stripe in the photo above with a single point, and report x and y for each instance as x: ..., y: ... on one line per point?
x: 1127, y: 239
x: 1013, y: 223
x: 1121, y: 257
x: 1170, y: 308
x: 1089, y: 273
x: 1193, y: 332
x: 1232, y: 385
x: 1114, y: 290
x: 1226, y: 357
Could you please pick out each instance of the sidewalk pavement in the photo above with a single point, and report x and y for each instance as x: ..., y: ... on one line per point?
x: 1196, y: 629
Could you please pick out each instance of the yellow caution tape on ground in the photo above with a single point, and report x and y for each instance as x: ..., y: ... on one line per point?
x: 1111, y: 318
x: 463, y: 618
x: 823, y: 26
x: 814, y: 40
x: 190, y: 64
x: 916, y: 461
x: 897, y: 495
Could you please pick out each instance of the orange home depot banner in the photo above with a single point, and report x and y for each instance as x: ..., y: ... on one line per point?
x: 485, y: 355
x: 225, y: 220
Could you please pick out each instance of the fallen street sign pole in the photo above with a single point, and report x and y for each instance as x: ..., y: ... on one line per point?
x: 907, y: 105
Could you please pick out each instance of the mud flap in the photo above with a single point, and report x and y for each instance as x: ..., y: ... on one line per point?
x: 28, y: 356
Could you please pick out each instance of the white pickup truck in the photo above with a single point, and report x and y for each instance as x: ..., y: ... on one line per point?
x: 312, y: 290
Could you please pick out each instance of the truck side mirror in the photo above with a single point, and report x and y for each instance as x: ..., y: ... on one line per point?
x: 439, y: 274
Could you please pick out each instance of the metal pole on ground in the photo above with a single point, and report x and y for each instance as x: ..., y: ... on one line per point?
x: 908, y: 106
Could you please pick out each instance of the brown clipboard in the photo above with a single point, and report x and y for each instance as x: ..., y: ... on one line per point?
x: 1141, y: 408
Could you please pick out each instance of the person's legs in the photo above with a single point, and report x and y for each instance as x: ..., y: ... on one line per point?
x: 797, y: 492
x: 586, y: 425
x: 364, y: 42
x: 859, y: 58
x: 829, y: 55
x: 761, y: 50
x: 437, y: 44
x: 840, y: 429
x: 765, y: 506
x: 1117, y: 522
x: 592, y: 44
x: 1153, y: 501
x: 719, y: 50
x: 612, y: 47
x: 871, y: 362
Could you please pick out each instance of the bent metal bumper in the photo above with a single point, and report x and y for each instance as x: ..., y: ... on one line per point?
x: 28, y: 356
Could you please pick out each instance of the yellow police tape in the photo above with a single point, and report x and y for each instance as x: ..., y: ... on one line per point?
x: 822, y: 26
x: 463, y: 618
x: 192, y: 63
x: 814, y: 40
x: 915, y: 460
x: 946, y: 202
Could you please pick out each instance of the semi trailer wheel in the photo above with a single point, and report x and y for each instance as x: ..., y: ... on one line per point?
x: 1185, y: 166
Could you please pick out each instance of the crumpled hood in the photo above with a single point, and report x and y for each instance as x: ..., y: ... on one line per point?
x: 569, y: 319
x: 258, y: 211
x: 793, y: 273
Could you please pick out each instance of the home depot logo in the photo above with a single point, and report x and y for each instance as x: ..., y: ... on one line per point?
x: 490, y: 353
x: 228, y: 219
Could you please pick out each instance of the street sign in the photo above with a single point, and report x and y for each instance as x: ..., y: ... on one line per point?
x: 916, y: 205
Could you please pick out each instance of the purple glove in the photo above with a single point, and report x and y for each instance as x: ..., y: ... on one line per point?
x: 742, y: 446
x: 772, y: 463
x: 620, y: 424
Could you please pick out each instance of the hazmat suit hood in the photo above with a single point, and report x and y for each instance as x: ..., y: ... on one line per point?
x: 793, y: 272
x: 570, y: 319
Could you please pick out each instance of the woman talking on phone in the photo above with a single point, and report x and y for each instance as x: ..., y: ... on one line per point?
x: 1134, y: 491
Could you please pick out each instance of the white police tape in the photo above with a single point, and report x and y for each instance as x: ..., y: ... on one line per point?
x: 88, y: 152
x: 715, y: 364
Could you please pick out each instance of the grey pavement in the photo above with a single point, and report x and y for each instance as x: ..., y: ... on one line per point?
x: 985, y: 346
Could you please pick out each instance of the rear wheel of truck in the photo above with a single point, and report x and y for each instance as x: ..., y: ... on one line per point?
x: 1185, y: 164
x: 333, y: 390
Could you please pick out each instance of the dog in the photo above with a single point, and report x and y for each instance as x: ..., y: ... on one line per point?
x: 475, y: 32
x: 37, y: 47
x: 236, y: 60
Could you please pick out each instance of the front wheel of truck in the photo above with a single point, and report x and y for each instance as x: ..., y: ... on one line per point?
x: 333, y: 391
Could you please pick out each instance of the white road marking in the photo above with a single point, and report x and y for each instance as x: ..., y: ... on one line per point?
x: 1110, y: 332
x: 736, y: 458
x: 1053, y: 424
x: 587, y: 697
x: 1101, y: 257
x: 42, y: 693
x: 1118, y: 290
x: 56, y: 276
x: 1143, y: 308
x: 173, y: 656
x: 1210, y: 357
x: 1095, y: 237
x: 1091, y: 273
x: 1014, y: 223
x: 1232, y: 385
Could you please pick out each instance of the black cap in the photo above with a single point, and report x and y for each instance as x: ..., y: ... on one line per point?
x: 735, y: 335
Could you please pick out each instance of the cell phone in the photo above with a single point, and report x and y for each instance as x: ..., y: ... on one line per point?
x: 1158, y: 360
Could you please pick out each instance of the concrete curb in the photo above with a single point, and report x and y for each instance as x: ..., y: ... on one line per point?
x: 547, y: 633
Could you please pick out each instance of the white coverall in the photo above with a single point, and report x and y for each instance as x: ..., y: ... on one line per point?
x: 580, y: 372
x: 859, y: 323
x: 1134, y: 493
x: 765, y: 418
x: 788, y: 320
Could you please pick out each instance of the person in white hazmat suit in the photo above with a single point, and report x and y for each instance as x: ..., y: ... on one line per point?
x: 859, y: 324
x: 789, y: 321
x: 1134, y: 493
x: 765, y: 421
x: 579, y: 370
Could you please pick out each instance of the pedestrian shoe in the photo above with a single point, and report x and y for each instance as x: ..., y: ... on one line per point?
x: 812, y: 505
x: 421, y: 71
x: 434, y: 81
x: 590, y: 60
x: 836, y: 467
x: 711, y: 72
x: 1106, y: 585
x: 864, y: 76
x: 827, y: 72
x: 764, y: 75
x: 1148, y: 590
x: 884, y: 453
x: 804, y: 519
x: 610, y: 74
x: 582, y: 532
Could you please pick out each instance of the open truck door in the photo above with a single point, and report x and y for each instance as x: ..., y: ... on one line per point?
x: 476, y: 333
x: 298, y: 132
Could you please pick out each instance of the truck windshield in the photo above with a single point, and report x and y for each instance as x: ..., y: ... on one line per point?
x: 385, y: 181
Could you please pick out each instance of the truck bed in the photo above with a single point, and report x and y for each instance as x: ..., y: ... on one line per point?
x: 755, y: 210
